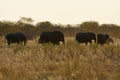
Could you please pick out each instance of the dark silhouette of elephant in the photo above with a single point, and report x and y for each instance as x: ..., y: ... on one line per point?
x: 51, y: 36
x: 103, y: 39
x: 85, y: 37
x: 17, y: 37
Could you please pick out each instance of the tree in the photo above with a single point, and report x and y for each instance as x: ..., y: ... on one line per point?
x: 7, y: 27
x: 90, y: 26
x: 26, y: 20
x: 44, y: 26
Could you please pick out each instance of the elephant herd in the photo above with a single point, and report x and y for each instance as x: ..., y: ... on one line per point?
x: 56, y: 37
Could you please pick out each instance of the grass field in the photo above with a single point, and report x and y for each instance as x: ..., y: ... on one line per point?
x: 71, y: 61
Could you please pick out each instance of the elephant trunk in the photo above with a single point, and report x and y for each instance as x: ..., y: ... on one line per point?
x: 24, y: 42
x: 63, y: 41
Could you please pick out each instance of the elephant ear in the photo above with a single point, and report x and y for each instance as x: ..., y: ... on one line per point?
x: 107, y: 36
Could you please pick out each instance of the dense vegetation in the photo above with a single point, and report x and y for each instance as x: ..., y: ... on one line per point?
x: 65, y: 62
x: 31, y: 30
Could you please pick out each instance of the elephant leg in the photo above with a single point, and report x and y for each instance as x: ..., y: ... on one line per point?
x: 86, y: 43
x: 8, y: 43
x: 57, y: 43
x: 18, y: 42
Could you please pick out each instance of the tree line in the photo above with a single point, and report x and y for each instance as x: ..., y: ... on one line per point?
x: 32, y: 31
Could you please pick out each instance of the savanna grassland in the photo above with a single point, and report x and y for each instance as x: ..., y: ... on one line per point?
x: 71, y: 61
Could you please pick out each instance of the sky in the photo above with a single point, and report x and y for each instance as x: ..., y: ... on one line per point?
x: 62, y: 11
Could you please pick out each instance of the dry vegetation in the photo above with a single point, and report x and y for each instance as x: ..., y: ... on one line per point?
x: 72, y: 61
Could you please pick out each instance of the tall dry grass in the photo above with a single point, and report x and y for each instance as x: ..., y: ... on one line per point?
x: 72, y: 61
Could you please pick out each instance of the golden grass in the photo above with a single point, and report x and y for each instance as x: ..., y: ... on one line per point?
x: 72, y: 61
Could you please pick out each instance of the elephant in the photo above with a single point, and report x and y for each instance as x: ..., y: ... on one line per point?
x: 103, y: 39
x: 17, y: 37
x: 85, y: 37
x: 51, y: 36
